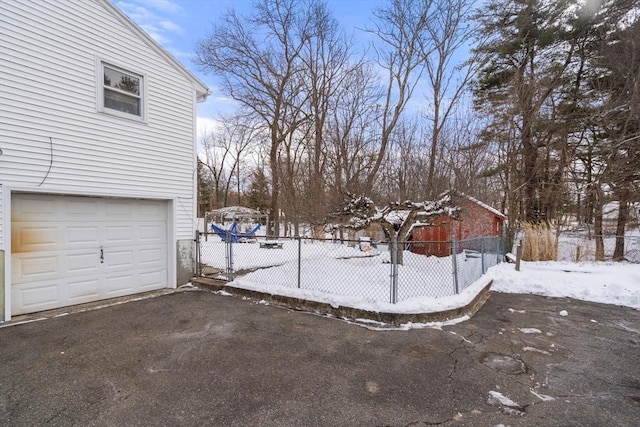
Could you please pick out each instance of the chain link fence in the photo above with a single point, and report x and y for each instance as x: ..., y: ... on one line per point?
x: 373, y: 271
x: 474, y: 257
x: 581, y: 247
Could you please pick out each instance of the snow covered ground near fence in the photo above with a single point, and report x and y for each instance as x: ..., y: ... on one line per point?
x: 248, y: 256
x: 339, y: 269
x: 603, y: 282
x: 329, y: 268
x: 579, y: 246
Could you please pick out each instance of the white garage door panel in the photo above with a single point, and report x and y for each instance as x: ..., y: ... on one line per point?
x: 118, y: 234
x: 150, y: 233
x: 35, y: 297
x: 147, y: 280
x: 69, y: 250
x: 150, y: 257
x: 34, y: 239
x: 120, y: 285
x: 82, y: 263
x: 36, y: 267
x: 77, y: 291
x: 79, y: 235
x: 116, y: 259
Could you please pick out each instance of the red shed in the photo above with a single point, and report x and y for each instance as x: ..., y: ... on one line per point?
x: 476, y: 219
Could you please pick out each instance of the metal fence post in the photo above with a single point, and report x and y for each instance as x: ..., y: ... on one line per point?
x: 229, y: 256
x: 454, y: 256
x: 482, y: 251
x: 394, y: 269
x: 299, y: 259
x: 197, y: 254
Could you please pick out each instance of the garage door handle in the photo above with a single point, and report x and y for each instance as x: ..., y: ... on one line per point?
x: 101, y: 255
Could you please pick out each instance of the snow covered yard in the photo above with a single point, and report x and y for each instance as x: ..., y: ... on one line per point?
x: 603, y: 282
x: 580, y: 247
x: 342, y: 275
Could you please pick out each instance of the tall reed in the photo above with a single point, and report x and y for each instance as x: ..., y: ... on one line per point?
x: 540, y: 242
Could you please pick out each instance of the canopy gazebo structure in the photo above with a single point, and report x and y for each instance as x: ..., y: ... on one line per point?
x: 234, y: 217
x: 231, y: 213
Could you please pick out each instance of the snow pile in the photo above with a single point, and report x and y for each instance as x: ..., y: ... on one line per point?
x: 604, y: 282
x: 342, y: 275
x: 413, y: 305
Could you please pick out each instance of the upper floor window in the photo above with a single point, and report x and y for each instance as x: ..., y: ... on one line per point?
x: 122, y: 91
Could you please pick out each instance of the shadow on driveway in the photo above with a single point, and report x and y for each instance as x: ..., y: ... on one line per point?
x: 197, y: 358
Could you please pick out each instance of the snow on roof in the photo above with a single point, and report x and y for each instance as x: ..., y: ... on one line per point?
x: 235, y: 211
x: 476, y: 201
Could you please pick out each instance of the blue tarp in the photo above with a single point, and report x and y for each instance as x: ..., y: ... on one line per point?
x: 232, y: 233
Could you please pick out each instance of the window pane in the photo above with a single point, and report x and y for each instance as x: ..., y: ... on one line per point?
x: 121, y: 102
x: 119, y: 80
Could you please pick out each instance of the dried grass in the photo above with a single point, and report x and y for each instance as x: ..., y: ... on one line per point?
x: 540, y: 242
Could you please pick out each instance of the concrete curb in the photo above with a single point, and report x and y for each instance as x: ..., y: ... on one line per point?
x: 350, y: 313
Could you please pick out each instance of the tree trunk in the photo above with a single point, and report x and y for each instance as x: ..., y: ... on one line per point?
x: 597, y: 221
x: 530, y: 154
x: 400, y: 254
x: 275, y: 181
x: 623, y: 215
x: 435, y: 136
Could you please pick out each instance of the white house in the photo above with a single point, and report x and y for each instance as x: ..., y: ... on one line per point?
x: 97, y: 171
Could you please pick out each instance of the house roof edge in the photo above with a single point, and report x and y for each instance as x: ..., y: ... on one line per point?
x: 202, y: 91
x: 474, y: 200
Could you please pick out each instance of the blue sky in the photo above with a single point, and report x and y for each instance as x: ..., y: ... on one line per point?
x: 178, y: 24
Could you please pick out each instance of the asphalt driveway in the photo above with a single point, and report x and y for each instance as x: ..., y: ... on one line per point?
x: 197, y: 358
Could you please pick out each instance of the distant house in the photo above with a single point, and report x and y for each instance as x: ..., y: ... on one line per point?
x: 611, y: 211
x: 476, y: 219
x: 97, y: 132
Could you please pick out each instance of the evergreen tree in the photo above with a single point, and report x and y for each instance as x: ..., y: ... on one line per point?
x: 525, y: 52
x: 259, y: 196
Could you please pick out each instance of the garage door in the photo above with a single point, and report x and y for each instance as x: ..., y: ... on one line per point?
x: 69, y: 250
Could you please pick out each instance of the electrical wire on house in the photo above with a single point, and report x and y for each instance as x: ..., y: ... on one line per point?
x: 50, y: 161
x: 193, y: 221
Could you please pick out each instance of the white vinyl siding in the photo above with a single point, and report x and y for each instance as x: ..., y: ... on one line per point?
x: 51, y: 131
x: 2, y: 220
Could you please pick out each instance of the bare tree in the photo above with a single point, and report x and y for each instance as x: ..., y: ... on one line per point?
x: 468, y: 160
x: 395, y: 218
x: 223, y: 152
x: 402, y: 174
x: 450, y: 29
x: 292, y: 158
x: 351, y: 137
x: 326, y: 58
x: 257, y: 58
x: 214, y: 158
x: 403, y: 33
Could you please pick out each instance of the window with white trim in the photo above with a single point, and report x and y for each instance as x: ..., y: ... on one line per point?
x: 122, y: 91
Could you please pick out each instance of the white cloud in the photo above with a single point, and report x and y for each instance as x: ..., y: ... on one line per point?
x: 165, y: 6
x: 180, y: 53
x: 206, y: 126
x: 170, y: 26
x: 156, y: 34
x: 224, y: 99
x: 157, y: 26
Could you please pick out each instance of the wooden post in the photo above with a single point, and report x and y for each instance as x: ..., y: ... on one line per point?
x: 518, y: 256
x: 578, y: 254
